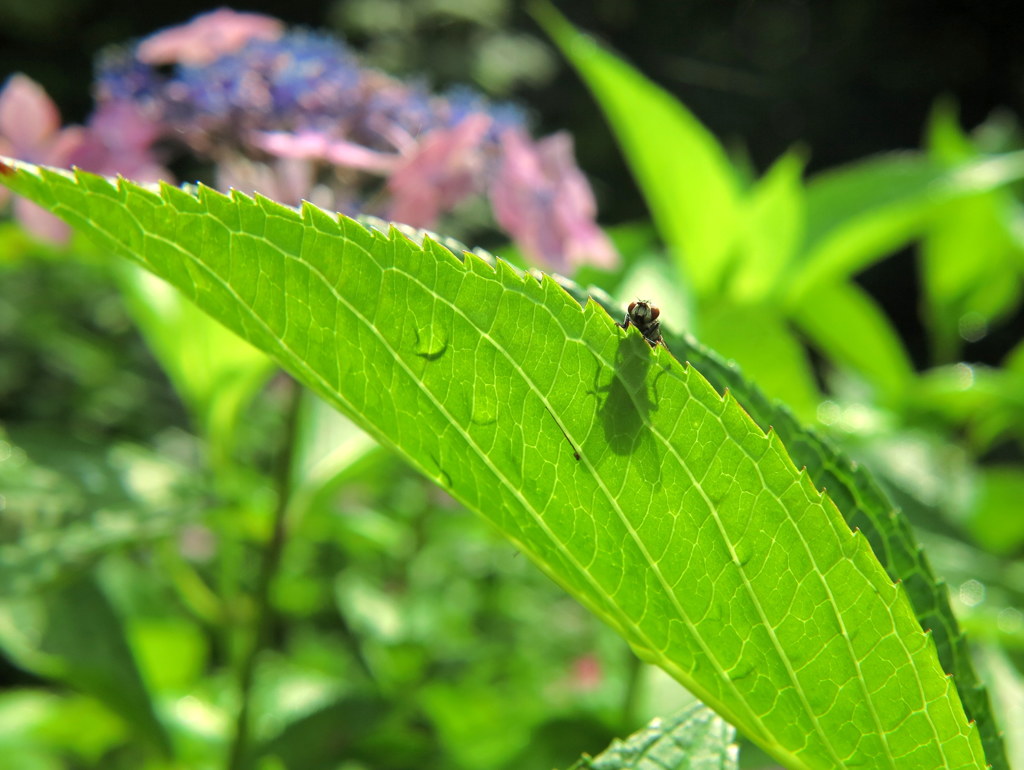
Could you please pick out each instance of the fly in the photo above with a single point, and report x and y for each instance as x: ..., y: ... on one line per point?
x: 644, y: 316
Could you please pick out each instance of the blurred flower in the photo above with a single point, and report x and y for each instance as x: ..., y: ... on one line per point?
x: 120, y: 141
x: 29, y: 123
x: 197, y: 543
x: 29, y: 120
x: 587, y: 673
x: 208, y: 37
x: 116, y: 140
x: 287, y: 181
x: 543, y: 200
x: 300, y: 81
x: 310, y: 145
x: 30, y: 130
x: 294, y: 115
x: 445, y: 167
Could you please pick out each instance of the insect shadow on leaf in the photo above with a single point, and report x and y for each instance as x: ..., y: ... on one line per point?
x: 626, y: 403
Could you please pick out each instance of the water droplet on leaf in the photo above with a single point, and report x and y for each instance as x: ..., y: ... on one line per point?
x: 485, y: 405
x: 431, y: 342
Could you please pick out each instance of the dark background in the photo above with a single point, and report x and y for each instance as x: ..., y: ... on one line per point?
x: 843, y: 79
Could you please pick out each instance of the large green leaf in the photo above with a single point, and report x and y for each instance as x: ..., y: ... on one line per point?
x: 867, y: 509
x: 622, y: 473
x: 682, y: 170
x: 1001, y: 488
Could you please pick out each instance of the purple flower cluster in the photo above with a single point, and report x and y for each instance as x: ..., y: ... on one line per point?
x: 294, y: 115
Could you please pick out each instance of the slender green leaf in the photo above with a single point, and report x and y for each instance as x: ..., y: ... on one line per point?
x: 681, y: 523
x: 995, y: 520
x: 944, y: 138
x: 215, y: 373
x: 970, y: 269
x: 682, y: 170
x: 971, y: 258
x: 330, y: 446
x: 988, y: 401
x: 860, y: 213
x: 1014, y: 360
x: 72, y: 633
x: 693, y: 739
x: 774, y: 229
x: 771, y: 354
x: 849, y: 327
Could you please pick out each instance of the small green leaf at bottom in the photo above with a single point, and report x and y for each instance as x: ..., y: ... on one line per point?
x: 694, y: 739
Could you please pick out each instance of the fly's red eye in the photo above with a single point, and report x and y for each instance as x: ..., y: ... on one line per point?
x: 655, y: 312
x: 631, y: 306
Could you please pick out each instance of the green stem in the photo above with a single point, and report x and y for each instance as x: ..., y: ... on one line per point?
x: 268, y: 569
x: 631, y: 696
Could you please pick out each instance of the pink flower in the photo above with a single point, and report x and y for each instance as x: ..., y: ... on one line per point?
x: 120, y: 139
x: 117, y: 140
x: 543, y: 200
x: 587, y: 673
x: 29, y: 120
x: 434, y: 173
x: 446, y: 166
x: 30, y: 130
x: 312, y: 145
x: 208, y: 37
